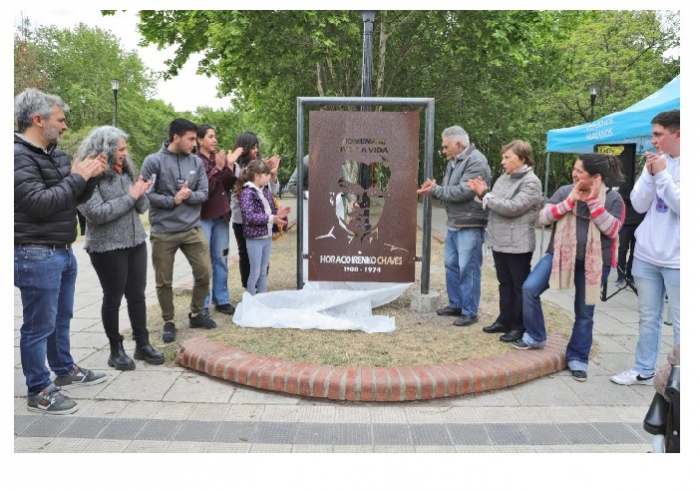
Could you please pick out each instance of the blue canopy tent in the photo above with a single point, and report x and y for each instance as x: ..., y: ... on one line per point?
x: 632, y: 125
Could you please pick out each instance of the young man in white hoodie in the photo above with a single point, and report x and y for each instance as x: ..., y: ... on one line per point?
x: 657, y: 256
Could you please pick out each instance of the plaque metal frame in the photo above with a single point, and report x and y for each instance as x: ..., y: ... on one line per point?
x: 428, y: 148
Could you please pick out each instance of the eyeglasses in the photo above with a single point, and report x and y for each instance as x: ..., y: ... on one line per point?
x: 444, y: 147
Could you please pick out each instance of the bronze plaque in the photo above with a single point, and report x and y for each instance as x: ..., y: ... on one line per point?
x: 363, y: 176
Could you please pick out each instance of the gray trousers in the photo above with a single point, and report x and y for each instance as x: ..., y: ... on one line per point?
x: 259, y: 257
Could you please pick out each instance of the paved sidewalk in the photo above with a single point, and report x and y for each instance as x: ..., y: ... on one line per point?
x: 171, y: 409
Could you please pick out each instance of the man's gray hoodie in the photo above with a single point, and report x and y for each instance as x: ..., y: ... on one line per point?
x: 171, y: 170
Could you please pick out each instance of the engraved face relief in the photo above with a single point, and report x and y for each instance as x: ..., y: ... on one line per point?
x: 360, y: 198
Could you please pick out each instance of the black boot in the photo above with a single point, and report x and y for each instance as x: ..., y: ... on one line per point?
x: 145, y: 352
x: 118, y: 358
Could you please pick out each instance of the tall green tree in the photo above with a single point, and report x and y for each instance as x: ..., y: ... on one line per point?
x: 516, y: 73
x: 77, y: 64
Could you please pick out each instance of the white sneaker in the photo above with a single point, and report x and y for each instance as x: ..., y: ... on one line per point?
x: 631, y: 376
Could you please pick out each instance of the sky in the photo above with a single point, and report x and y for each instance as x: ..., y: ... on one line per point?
x: 123, y: 26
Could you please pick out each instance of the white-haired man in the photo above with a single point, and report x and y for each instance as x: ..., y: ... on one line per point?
x: 466, y: 221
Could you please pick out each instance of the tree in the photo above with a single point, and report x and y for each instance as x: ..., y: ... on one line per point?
x: 77, y: 64
x: 515, y: 72
x: 27, y: 73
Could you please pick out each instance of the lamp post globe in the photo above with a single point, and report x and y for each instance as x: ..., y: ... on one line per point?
x: 593, y: 90
x: 115, y: 90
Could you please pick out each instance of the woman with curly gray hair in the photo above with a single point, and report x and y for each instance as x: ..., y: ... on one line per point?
x: 116, y: 243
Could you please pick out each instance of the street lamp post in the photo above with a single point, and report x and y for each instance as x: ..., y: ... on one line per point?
x: 593, y: 88
x: 368, y: 21
x: 115, y: 90
x: 366, y: 90
x: 83, y: 100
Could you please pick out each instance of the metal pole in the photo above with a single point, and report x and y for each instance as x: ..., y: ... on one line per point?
x: 366, y: 91
x: 427, y: 201
x: 546, y: 191
x: 115, y: 106
x: 368, y: 21
x: 300, y: 194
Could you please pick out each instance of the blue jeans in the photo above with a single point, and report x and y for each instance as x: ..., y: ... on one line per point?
x: 652, y: 281
x: 46, y: 280
x: 579, y: 347
x: 217, y: 234
x: 259, y: 254
x: 463, y: 260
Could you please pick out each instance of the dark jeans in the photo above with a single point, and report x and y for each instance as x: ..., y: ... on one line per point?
x: 243, y: 260
x: 627, y: 242
x: 579, y: 347
x: 122, y: 273
x: 511, y: 271
x: 45, y: 277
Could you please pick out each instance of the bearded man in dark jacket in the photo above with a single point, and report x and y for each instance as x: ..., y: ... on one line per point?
x: 47, y: 190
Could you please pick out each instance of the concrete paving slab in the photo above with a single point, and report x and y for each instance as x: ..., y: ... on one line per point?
x: 130, y: 385
x: 140, y: 409
x: 250, y: 396
x: 194, y: 387
x: 281, y: 413
x: 32, y: 444
x: 606, y: 325
x: 487, y: 399
x: 352, y: 414
x: 389, y: 414
x: 68, y: 445
x: 547, y: 391
x: 209, y: 411
x: 82, y: 323
x: 146, y: 447
x: 86, y: 339
x: 629, y: 342
x: 428, y: 415
x: 613, y: 363
x: 343, y: 448
x: 102, y: 408
x: 623, y: 315
x: 271, y: 448
x: 175, y: 411
x: 305, y: 448
x: 604, y: 392
x: 478, y: 415
x: 245, y: 412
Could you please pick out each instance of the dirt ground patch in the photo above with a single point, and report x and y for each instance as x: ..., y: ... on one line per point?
x: 420, y: 338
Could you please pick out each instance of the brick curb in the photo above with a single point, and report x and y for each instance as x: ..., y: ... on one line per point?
x: 381, y: 384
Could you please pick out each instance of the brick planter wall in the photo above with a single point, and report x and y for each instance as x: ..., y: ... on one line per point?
x: 351, y: 383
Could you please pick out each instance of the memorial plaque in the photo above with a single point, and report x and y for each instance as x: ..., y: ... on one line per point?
x: 363, y: 176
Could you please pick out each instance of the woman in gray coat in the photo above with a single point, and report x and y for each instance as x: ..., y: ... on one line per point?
x: 513, y: 203
x: 116, y: 243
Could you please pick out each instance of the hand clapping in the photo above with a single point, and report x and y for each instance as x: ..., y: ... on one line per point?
x: 137, y: 189
x: 183, y: 194
x: 478, y: 186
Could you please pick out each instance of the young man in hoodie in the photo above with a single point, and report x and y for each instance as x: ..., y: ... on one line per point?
x: 179, y: 186
x: 657, y: 255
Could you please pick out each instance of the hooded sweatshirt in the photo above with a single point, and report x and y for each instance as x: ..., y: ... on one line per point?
x: 171, y: 171
x: 659, y: 235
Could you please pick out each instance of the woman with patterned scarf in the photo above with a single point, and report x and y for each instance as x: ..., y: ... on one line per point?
x: 586, y: 218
